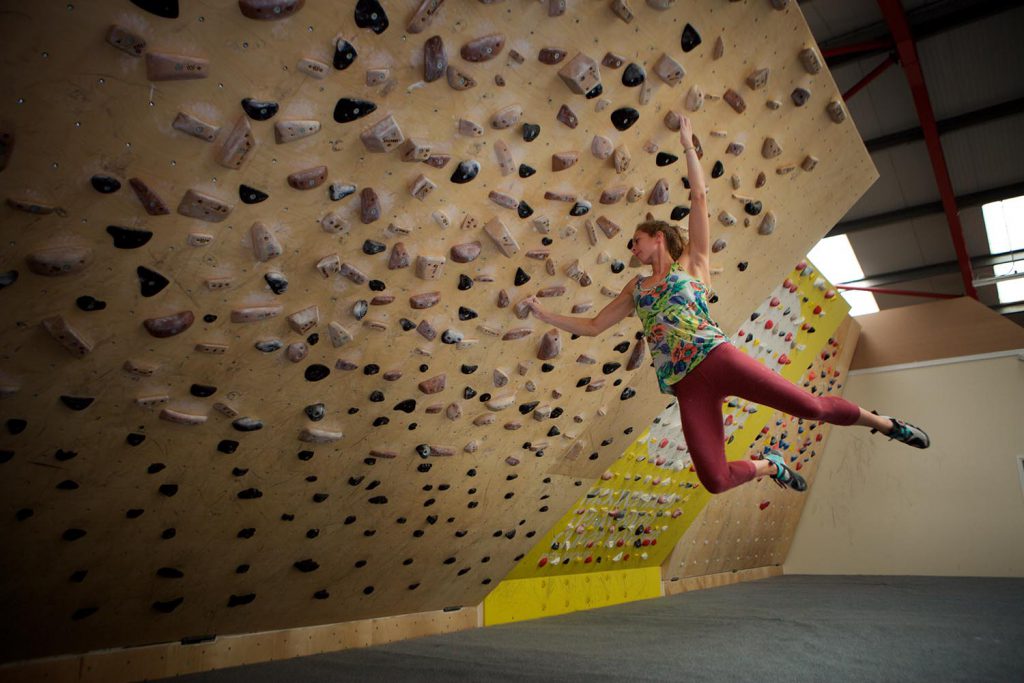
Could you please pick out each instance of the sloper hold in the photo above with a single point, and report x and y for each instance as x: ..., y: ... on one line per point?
x: 435, y: 59
x: 382, y: 136
x: 669, y: 70
x: 550, y: 345
x: 250, y: 195
x: 151, y: 201
x: 344, y: 54
x: 204, y: 207
x: 269, y: 9
x: 369, y: 14
x: 151, y: 282
x: 484, y: 48
x: 59, y: 260
x: 349, y: 109
x: 259, y: 110
x: 170, y: 325
x: 190, y: 125
x: 168, y: 9
x: 68, y: 337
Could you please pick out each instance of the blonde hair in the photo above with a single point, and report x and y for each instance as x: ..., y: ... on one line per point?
x: 676, y: 238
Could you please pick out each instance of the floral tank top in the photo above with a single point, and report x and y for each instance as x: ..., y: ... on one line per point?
x: 677, y: 325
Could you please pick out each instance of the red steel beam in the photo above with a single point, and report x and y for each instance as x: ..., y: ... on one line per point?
x: 902, y: 292
x: 855, y: 48
x: 872, y: 75
x: 896, y: 18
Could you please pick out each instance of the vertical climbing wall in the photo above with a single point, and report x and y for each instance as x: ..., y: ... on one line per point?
x: 263, y: 361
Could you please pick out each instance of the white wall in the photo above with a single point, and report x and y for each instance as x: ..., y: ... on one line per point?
x: 955, y: 509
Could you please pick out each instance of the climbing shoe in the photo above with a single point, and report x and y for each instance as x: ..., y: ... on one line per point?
x: 907, y: 433
x: 784, y: 476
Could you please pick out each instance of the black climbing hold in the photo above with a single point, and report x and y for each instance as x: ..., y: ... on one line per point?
x: 372, y: 247
x: 465, y: 282
x: 322, y: 594
x: 633, y: 75
x: 369, y: 14
x: 466, y: 313
x: 686, y: 182
x: 378, y: 500
x: 690, y: 38
x: 624, y: 117
x: 376, y: 396
x: 465, y: 171
x: 609, y: 368
x: 78, y: 576
x: 524, y: 210
x: 250, y: 195
x: 8, y: 278
x: 742, y: 265
x: 525, y: 170
x: 664, y: 159
x: 316, y: 411
x: 406, y: 406
x: 247, y: 424
x: 236, y: 600
x: 89, y: 304
x: 278, y: 283
x: 468, y: 393
x: 246, y: 533
x: 618, y: 266
x: 151, y: 282
x: 128, y: 238
x: 554, y: 431
x: 305, y: 455
x: 521, y: 277
x: 371, y: 369
x: 582, y: 382
x: 250, y: 494
x: 259, y: 110
x: 627, y: 394
x: 63, y: 455
x: 227, y: 446
x: 595, y: 91
x: 349, y: 109
x: 209, y: 318
x: 105, y: 184
x: 271, y: 345
x: 377, y: 286
x: 168, y: 490
x: 484, y: 397
x: 344, y: 55
x: 451, y: 337
x: 717, y: 170
x: 170, y: 573
x: 316, y: 372
x: 67, y: 485
x: 547, y: 367
x: 530, y: 132
x: 202, y: 390
x: 155, y: 468
x: 306, y: 565
x: 753, y: 207
x: 580, y: 208
x: 16, y: 425
x: 168, y: 9
x: 24, y: 513
x: 527, y: 407
x: 83, y: 612
x: 239, y: 471
x: 77, y: 402
x: 680, y: 212
x: 547, y: 241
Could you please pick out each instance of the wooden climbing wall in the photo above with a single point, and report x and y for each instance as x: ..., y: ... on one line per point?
x: 262, y: 362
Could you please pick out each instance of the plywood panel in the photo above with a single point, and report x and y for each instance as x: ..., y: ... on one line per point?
x: 940, y: 329
x: 124, y: 526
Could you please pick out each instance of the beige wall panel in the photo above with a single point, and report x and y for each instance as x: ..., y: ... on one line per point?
x: 954, y: 509
x: 941, y: 329
x: 753, y: 525
x: 78, y: 107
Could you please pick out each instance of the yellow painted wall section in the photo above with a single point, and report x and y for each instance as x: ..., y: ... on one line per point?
x: 523, y: 599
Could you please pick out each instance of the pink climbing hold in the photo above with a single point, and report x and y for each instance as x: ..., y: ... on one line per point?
x: 543, y: 561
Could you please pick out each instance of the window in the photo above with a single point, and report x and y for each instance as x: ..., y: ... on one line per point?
x: 834, y: 257
x: 1004, y: 223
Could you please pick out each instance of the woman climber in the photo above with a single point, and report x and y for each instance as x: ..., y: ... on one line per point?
x: 692, y: 356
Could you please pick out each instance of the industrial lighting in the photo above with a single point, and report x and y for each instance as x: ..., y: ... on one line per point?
x: 834, y: 258
x: 1004, y: 223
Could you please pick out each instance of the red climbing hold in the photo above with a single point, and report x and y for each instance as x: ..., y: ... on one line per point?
x: 764, y: 504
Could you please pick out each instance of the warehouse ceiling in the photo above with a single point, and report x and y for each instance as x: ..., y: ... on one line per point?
x: 972, y: 60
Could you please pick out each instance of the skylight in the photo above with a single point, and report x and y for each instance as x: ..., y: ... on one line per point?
x: 1004, y: 223
x: 834, y: 257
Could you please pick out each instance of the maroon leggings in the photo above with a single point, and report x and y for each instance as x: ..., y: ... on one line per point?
x: 729, y: 372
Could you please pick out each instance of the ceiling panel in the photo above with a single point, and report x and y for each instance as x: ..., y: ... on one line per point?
x: 986, y: 156
x: 887, y: 248
x: 830, y: 18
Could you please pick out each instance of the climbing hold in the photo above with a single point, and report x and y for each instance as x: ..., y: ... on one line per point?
x: 344, y: 54
x: 690, y: 38
x: 370, y: 14
x: 624, y: 117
